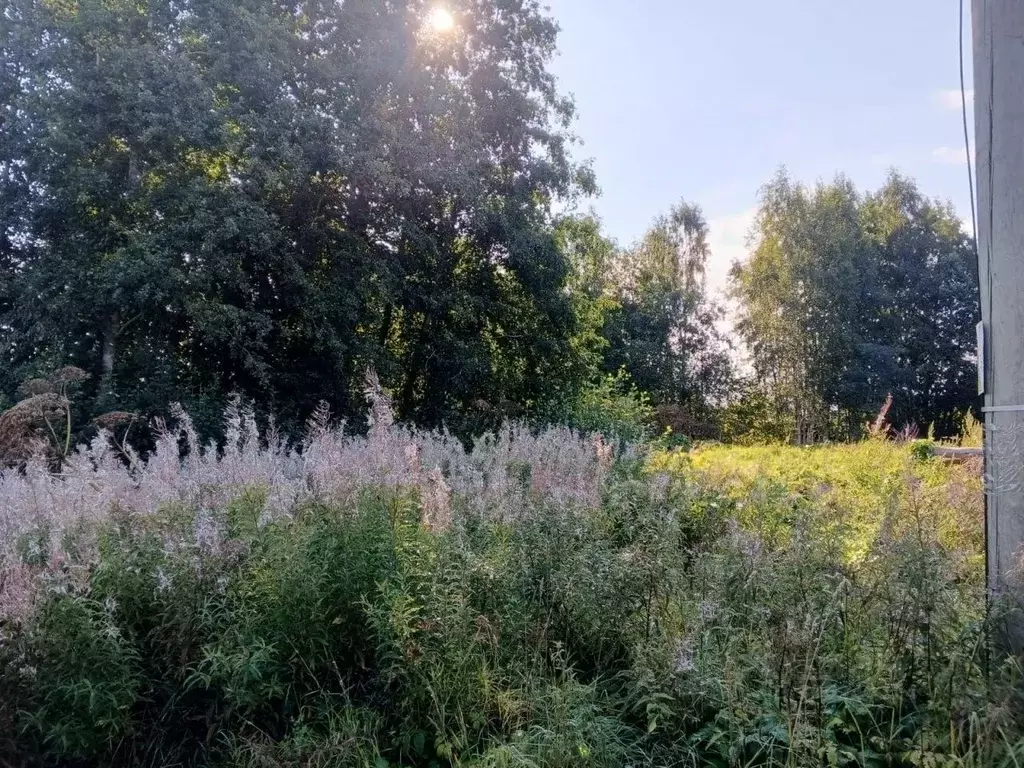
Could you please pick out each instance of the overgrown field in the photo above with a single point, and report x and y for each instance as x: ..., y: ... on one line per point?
x: 857, y: 489
x: 541, y: 600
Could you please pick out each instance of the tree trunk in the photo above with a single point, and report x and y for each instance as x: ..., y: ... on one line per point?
x: 416, y: 364
x: 108, y: 353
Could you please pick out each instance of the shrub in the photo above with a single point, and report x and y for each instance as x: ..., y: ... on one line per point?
x: 680, y: 422
x: 972, y: 432
x: 922, y: 450
x: 753, y: 419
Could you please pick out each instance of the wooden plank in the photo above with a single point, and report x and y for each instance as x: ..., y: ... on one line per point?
x: 957, y: 455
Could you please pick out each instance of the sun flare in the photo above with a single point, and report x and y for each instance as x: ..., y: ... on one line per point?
x: 441, y: 20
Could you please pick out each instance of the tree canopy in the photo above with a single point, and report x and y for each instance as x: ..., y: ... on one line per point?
x: 243, y: 195
x: 847, y: 298
x: 208, y: 197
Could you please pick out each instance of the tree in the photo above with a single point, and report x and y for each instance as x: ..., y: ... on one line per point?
x: 929, y: 276
x: 846, y: 299
x: 803, y: 295
x: 217, y: 195
x: 665, y: 331
x: 591, y: 257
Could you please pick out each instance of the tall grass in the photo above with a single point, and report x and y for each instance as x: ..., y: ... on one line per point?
x: 539, y: 600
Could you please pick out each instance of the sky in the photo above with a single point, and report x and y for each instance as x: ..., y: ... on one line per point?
x: 706, y: 99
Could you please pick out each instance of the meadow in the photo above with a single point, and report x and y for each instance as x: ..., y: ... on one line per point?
x: 543, y: 599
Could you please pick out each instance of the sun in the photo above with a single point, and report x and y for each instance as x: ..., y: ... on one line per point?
x: 441, y: 20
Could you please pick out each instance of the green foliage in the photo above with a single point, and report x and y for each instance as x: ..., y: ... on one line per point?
x: 753, y: 418
x: 664, y: 331
x: 854, y: 486
x: 847, y: 298
x: 87, y: 677
x: 244, y: 211
x: 613, y: 407
x: 670, y: 440
x: 922, y: 450
x: 972, y: 431
x: 825, y: 607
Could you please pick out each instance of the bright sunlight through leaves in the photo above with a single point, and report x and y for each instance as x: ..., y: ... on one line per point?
x: 441, y: 20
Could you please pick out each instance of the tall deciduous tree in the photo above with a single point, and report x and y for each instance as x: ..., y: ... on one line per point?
x: 214, y: 195
x: 665, y: 332
x: 847, y: 298
x: 928, y: 278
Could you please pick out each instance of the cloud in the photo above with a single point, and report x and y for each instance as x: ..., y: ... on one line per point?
x: 950, y: 98
x: 950, y: 155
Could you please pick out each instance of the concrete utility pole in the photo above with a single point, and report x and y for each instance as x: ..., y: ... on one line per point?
x: 999, y: 132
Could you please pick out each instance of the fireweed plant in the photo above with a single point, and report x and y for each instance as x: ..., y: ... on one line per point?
x: 541, y: 599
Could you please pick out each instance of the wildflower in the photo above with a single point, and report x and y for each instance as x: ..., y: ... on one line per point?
x: 660, y: 484
x: 412, y: 458
x: 603, y: 451
x: 32, y: 387
x: 486, y: 632
x: 17, y: 591
x: 436, y: 500
x: 266, y: 516
x: 318, y: 425
x: 22, y: 427
x: 752, y: 547
x: 69, y: 374
x: 114, y: 419
x: 207, y: 533
x: 163, y: 581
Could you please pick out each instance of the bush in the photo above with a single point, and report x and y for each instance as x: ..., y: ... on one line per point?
x: 753, y: 419
x: 84, y: 675
x: 680, y: 422
x: 922, y: 450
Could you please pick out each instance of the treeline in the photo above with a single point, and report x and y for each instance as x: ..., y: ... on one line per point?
x: 210, y: 196
x: 848, y: 298
x: 845, y: 299
x: 243, y: 196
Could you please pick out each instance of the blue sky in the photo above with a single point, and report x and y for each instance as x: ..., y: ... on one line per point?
x: 705, y: 99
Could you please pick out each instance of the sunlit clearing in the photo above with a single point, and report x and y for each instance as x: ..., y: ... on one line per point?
x: 441, y: 20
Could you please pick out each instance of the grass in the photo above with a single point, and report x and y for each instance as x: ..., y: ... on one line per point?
x: 539, y: 601
x: 854, y: 489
